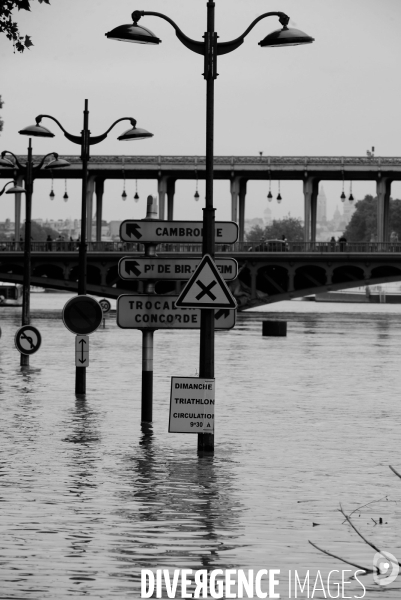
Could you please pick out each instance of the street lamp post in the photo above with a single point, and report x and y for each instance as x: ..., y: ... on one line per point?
x: 29, y: 171
x: 85, y: 140
x: 210, y: 48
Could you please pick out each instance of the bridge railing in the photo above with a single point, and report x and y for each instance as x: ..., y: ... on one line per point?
x: 260, y: 246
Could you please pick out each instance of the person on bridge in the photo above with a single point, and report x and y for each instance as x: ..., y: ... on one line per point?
x: 49, y: 244
x: 333, y: 243
x: 343, y: 242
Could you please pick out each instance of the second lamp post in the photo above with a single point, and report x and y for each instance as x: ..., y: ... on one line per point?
x: 85, y: 140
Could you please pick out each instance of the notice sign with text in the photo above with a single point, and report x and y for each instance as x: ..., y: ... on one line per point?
x: 192, y: 405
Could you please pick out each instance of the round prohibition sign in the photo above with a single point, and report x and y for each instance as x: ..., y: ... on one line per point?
x: 105, y: 304
x: 27, y: 339
x: 82, y: 315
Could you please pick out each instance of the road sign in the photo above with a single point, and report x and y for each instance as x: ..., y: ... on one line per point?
x: 206, y: 288
x: 27, y: 339
x: 82, y: 315
x: 171, y: 268
x: 82, y: 351
x: 159, y: 312
x: 105, y: 304
x: 226, y: 232
x: 192, y: 405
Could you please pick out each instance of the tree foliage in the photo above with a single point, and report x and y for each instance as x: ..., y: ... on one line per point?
x: 293, y: 230
x: 10, y: 27
x: 39, y: 233
x: 363, y: 224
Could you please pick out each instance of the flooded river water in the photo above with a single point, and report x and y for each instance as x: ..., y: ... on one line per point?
x: 303, y: 423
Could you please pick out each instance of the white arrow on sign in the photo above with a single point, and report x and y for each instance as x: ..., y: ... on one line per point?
x: 170, y: 268
x: 82, y: 351
x: 206, y: 288
x: 159, y: 232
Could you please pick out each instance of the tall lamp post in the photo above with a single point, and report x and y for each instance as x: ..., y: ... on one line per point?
x: 28, y: 172
x: 209, y: 48
x: 85, y: 140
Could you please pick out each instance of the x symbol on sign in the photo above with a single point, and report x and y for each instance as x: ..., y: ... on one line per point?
x: 206, y: 290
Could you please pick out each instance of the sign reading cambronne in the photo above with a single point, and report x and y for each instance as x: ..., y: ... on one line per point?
x: 192, y: 405
x: 159, y: 232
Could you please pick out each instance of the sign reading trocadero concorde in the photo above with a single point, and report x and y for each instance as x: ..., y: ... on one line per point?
x: 144, y: 311
x: 191, y: 232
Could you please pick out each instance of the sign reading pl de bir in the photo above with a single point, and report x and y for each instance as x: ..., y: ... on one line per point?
x: 159, y: 232
x: 192, y: 405
x: 171, y: 268
x: 159, y: 312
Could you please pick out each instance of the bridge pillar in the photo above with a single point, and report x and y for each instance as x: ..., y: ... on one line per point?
x: 162, y: 191
x: 383, y: 188
x: 17, y: 209
x: 99, y: 189
x: 170, y: 198
x: 254, y: 274
x: 234, y: 189
x: 311, y: 191
x: 241, y: 209
x: 89, y: 207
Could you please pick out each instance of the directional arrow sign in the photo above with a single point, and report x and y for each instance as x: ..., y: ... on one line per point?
x: 171, y: 268
x: 142, y: 311
x: 82, y: 351
x: 226, y: 232
x: 27, y: 339
x: 206, y: 288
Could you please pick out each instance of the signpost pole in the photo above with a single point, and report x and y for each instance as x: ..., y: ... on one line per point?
x: 206, y: 351
x: 147, y: 334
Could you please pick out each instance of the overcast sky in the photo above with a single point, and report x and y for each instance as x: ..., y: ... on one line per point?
x: 336, y: 97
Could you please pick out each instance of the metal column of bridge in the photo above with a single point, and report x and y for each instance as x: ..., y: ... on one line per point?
x: 383, y: 187
x: 89, y: 207
x: 17, y: 209
x: 170, y: 198
x: 99, y: 190
x: 311, y: 191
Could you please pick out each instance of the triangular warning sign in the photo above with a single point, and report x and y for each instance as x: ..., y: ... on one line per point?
x: 206, y: 288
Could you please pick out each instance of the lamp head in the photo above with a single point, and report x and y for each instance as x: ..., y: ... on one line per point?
x: 36, y: 130
x: 16, y: 189
x: 57, y: 163
x: 135, y: 133
x: 5, y: 162
x: 133, y: 33
x: 287, y: 36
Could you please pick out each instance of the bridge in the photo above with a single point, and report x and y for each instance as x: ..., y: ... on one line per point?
x: 238, y: 170
x: 266, y: 273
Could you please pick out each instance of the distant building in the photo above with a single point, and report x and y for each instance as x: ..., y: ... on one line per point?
x: 268, y: 219
x: 349, y: 208
x: 251, y: 223
x: 321, y: 213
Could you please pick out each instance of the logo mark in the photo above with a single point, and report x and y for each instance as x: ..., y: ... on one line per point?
x: 388, y: 568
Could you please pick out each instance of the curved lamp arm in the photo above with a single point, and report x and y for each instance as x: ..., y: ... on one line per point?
x: 17, y: 162
x: 226, y: 47
x: 42, y: 162
x: 95, y: 139
x: 73, y: 138
x: 198, y: 47
x: 222, y: 47
x: 4, y: 188
x: 99, y: 138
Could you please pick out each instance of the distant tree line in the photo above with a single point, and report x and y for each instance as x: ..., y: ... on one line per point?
x: 363, y: 224
x: 293, y: 230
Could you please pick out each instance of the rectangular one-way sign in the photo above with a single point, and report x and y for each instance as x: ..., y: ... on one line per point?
x: 159, y: 232
x: 171, y: 268
x: 159, y: 312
